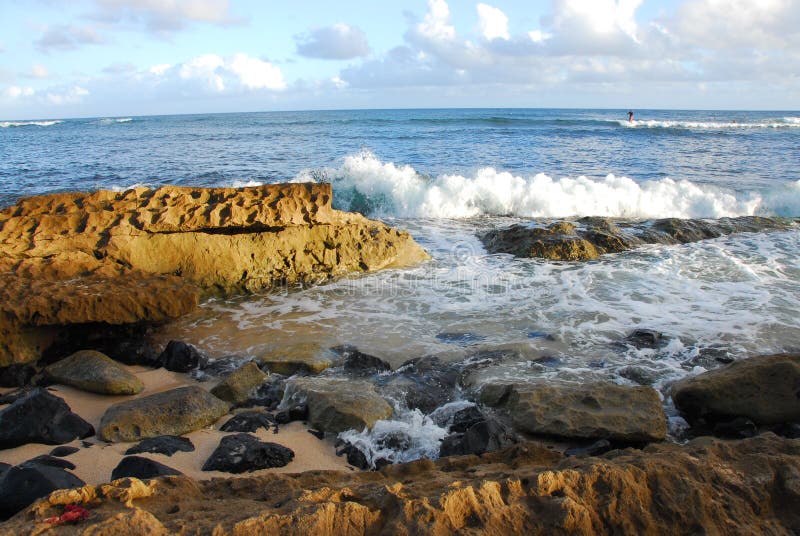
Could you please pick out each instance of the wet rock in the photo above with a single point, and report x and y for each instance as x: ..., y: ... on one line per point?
x: 640, y: 374
x: 465, y: 418
x: 296, y: 359
x: 646, y: 338
x: 180, y: 357
x: 764, y: 389
x: 295, y: 412
x: 423, y: 383
x: 355, y: 457
x: 237, y: 387
x: 94, y: 372
x: 708, y: 358
x: 396, y: 440
x: 61, y: 452
x: 483, y: 436
x: 336, y: 405
x: 357, y: 362
x: 269, y: 394
x: 535, y: 334
x: 595, y: 449
x: 52, y: 461
x: 250, y: 421
x: 141, y: 468
x: 40, y: 417
x: 23, y: 484
x: 789, y: 429
x: 738, y: 428
x: 165, y: 444
x: 174, y: 412
x: 223, y: 366
x: 16, y: 375
x: 241, y: 453
x: 557, y: 242
x: 596, y: 410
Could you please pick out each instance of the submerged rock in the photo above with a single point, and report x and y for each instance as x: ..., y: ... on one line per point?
x: 241, y: 453
x: 94, y: 372
x: 764, y: 389
x: 592, y: 237
x: 486, y: 435
x: 174, y: 412
x: 237, y: 387
x: 304, y: 358
x: 359, y: 363
x: 40, y: 417
x: 597, y: 410
x: 336, y: 405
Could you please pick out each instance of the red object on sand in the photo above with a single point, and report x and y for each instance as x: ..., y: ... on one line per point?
x: 72, y: 514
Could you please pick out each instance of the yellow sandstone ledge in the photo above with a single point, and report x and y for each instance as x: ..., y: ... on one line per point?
x: 149, y: 255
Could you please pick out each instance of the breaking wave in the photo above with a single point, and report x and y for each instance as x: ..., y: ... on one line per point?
x: 365, y: 184
x: 786, y: 122
x: 10, y: 124
x: 114, y: 120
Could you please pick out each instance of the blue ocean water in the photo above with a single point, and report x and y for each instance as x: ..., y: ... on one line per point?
x: 448, y: 175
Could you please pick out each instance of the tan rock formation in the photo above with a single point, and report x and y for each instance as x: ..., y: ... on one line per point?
x: 238, y: 385
x: 708, y: 486
x: 146, y: 255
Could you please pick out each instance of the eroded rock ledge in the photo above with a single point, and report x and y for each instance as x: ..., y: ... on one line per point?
x: 588, y: 238
x: 709, y: 486
x: 147, y: 255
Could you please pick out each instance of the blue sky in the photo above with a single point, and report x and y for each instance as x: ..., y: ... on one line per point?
x: 91, y: 58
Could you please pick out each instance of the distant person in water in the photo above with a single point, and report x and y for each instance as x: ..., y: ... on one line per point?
x: 630, y: 116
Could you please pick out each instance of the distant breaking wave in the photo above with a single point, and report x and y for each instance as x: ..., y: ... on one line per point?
x: 113, y: 120
x: 786, y: 122
x: 9, y: 124
x: 365, y: 184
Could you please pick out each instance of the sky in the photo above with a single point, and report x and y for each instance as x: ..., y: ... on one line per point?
x: 98, y: 58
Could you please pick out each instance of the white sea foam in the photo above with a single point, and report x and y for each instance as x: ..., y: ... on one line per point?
x: 114, y: 120
x: 366, y: 184
x: 9, y: 124
x: 244, y: 184
x: 786, y: 122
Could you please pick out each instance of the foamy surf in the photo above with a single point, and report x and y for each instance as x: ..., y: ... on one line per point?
x: 115, y: 120
x: 364, y: 183
x: 10, y: 124
x: 786, y: 122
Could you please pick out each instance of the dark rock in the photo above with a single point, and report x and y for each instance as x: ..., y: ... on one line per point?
x: 131, y: 351
x: 789, y: 429
x: 394, y: 440
x: 16, y: 375
x: 646, y: 338
x: 39, y: 417
x: 459, y: 337
x: 355, y: 457
x: 250, y: 421
x: 738, y: 428
x: 25, y: 483
x: 424, y: 383
x: 13, y: 396
x: 764, y: 389
x: 269, y: 394
x: 61, y: 452
x: 540, y: 335
x: 3, y: 468
x: 317, y: 433
x: 180, y: 357
x: 465, y: 418
x: 483, y: 436
x: 141, y: 468
x: 380, y: 463
x: 222, y: 365
x: 297, y: 412
x: 639, y: 374
x: 165, y: 444
x: 709, y: 358
x: 52, y: 461
x: 86, y: 444
x: 358, y: 362
x: 241, y: 453
x: 595, y: 449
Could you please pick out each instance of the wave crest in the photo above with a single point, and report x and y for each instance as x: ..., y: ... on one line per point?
x: 367, y: 185
x: 10, y: 124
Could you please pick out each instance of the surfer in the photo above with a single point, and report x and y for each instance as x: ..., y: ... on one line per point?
x: 630, y: 116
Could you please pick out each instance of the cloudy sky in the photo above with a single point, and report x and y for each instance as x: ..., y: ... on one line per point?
x: 77, y: 58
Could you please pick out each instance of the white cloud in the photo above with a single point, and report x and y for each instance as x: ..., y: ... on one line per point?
x: 38, y: 71
x: 254, y: 73
x: 67, y: 37
x: 436, y: 24
x: 165, y: 16
x: 492, y: 22
x: 70, y: 95
x: 215, y: 74
x: 337, y: 42
x: 16, y: 92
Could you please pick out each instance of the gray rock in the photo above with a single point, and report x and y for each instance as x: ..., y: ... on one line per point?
x: 92, y: 371
x: 174, y: 412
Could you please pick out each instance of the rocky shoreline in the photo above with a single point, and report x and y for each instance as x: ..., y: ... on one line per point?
x: 86, y: 275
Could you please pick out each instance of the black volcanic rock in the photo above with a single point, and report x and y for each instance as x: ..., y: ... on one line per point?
x: 40, y: 417
x: 241, y: 453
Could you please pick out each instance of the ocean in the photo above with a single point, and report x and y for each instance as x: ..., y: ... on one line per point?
x: 448, y: 175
